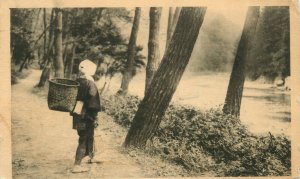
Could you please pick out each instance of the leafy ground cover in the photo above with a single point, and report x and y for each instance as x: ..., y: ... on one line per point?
x: 204, y: 141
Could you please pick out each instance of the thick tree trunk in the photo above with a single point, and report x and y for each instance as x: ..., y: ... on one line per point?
x: 153, y: 45
x: 233, y: 98
x: 58, y: 60
x: 127, y: 75
x: 167, y: 77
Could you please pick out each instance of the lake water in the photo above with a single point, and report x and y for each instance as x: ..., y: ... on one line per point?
x: 264, y: 109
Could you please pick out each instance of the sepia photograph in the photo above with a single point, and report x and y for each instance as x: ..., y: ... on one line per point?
x: 151, y: 92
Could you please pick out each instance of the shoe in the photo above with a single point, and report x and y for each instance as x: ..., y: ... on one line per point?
x: 79, y: 169
x: 92, y: 160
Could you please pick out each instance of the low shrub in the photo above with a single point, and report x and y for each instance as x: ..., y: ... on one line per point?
x: 208, y: 141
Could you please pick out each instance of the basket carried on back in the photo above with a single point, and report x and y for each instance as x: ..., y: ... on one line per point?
x: 62, y: 94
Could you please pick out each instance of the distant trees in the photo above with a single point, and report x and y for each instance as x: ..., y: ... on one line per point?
x: 86, y: 33
x: 270, y: 57
x: 46, y: 63
x: 237, y: 78
x: 22, y: 34
x: 167, y: 77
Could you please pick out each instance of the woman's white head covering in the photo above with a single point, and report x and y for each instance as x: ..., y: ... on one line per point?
x: 88, y: 68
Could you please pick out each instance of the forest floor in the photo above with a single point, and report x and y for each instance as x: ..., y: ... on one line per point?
x: 44, y: 143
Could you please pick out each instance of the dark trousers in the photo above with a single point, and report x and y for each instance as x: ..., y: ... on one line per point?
x: 85, y: 143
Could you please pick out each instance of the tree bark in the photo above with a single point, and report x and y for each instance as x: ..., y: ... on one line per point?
x: 153, y: 45
x: 233, y: 98
x: 58, y: 60
x: 169, y: 28
x: 167, y: 77
x: 175, y: 19
x: 127, y: 75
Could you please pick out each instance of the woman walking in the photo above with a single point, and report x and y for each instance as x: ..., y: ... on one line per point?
x: 85, y: 114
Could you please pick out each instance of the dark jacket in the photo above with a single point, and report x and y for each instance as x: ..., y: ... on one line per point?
x: 89, y: 95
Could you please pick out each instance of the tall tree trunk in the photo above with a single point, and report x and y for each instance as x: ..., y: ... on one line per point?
x: 167, y: 77
x: 153, y: 45
x: 48, y: 57
x: 51, y: 31
x: 34, y: 28
x: 50, y: 40
x: 45, y: 35
x: 70, y: 63
x: 58, y: 60
x: 233, y: 98
x: 127, y: 75
x: 47, y: 69
x: 169, y: 28
x: 67, y: 30
x: 65, y: 54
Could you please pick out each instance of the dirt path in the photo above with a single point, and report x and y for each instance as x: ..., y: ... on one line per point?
x: 44, y: 142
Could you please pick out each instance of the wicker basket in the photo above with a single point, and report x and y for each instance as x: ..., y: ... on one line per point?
x: 62, y: 94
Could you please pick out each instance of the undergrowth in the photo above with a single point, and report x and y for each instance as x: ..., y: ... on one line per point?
x: 16, y: 75
x: 204, y: 141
